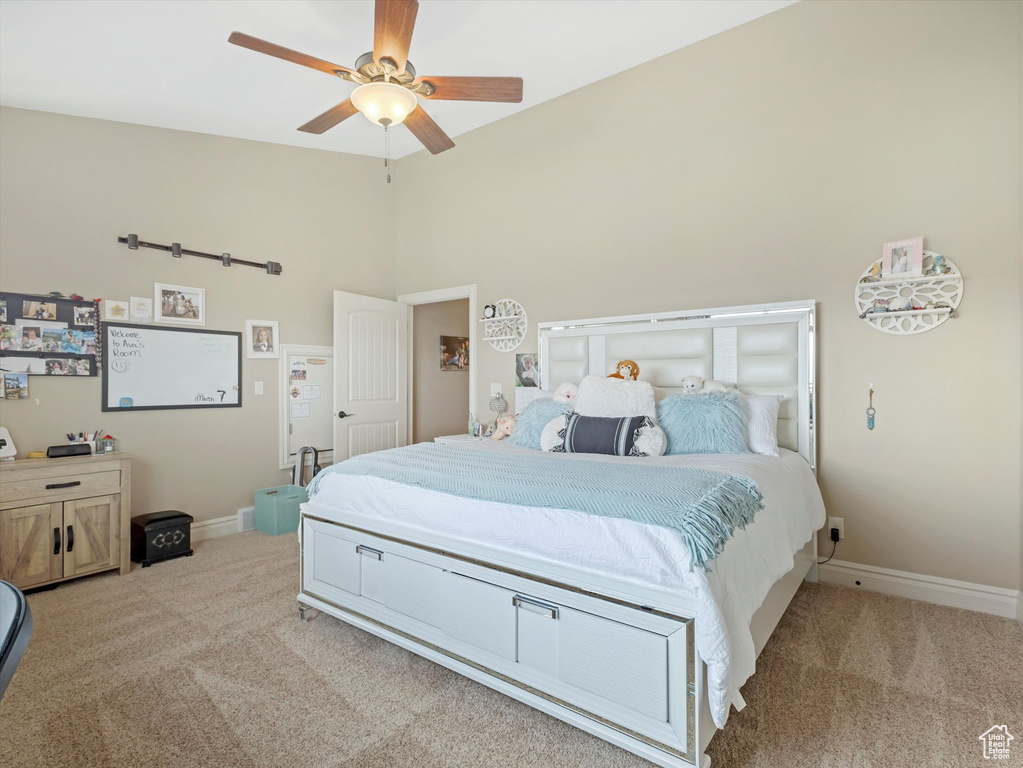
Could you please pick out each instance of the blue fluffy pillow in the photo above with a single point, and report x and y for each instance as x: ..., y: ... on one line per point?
x: 530, y: 423
x: 711, y: 423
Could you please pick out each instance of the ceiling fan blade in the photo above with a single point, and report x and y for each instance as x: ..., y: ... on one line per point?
x: 507, y: 89
x: 392, y: 30
x: 330, y: 118
x: 427, y: 131
x: 271, y: 49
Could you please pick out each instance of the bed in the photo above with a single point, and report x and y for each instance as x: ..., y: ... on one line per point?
x: 598, y: 621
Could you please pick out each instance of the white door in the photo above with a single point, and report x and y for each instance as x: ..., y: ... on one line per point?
x: 370, y: 374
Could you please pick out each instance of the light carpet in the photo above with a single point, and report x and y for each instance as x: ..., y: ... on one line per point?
x: 203, y: 661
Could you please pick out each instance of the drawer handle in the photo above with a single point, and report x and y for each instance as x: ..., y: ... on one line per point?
x: 56, y: 541
x: 72, y: 484
x: 70, y: 538
x: 364, y: 550
x: 519, y: 601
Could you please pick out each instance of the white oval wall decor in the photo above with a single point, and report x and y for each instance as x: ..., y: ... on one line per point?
x: 507, y: 328
x: 944, y: 291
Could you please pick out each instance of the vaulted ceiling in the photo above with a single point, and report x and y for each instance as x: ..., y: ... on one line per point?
x: 167, y: 63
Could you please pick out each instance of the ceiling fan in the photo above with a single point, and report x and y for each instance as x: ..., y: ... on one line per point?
x: 388, y: 90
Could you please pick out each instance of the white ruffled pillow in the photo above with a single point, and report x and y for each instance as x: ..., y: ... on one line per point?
x: 615, y: 398
x: 762, y: 422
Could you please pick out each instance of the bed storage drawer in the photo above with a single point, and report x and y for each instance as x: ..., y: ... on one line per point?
x: 480, y: 614
x: 331, y: 560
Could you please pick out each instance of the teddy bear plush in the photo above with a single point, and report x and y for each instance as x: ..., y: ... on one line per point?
x: 697, y: 385
x: 626, y: 369
x: 505, y: 426
x: 566, y: 392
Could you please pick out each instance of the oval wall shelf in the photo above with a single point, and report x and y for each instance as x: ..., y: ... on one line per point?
x: 943, y: 290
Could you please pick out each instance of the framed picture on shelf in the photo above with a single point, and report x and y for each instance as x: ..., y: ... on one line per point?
x: 179, y: 304
x: 261, y: 336
x: 903, y: 258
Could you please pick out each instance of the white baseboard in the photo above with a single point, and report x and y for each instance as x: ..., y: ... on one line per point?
x: 215, y: 528
x: 929, y: 589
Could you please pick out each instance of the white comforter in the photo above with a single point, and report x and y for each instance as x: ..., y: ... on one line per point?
x: 728, y: 596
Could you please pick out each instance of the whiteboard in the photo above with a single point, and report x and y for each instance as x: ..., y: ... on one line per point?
x: 147, y: 367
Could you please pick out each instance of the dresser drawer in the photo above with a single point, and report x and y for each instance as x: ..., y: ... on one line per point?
x: 19, y: 485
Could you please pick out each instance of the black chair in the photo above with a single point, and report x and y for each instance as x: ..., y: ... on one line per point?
x: 15, y: 630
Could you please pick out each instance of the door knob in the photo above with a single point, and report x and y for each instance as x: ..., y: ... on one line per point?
x: 343, y: 415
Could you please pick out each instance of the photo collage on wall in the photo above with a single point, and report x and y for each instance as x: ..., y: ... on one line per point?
x: 46, y: 336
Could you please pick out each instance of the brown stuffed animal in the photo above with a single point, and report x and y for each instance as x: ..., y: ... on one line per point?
x: 626, y: 369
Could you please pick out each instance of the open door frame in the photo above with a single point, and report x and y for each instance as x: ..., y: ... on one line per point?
x: 433, y: 297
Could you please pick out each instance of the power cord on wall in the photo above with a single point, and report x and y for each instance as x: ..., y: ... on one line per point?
x: 834, y: 539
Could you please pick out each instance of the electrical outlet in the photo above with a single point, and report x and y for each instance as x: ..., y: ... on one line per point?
x: 259, y: 387
x: 839, y: 523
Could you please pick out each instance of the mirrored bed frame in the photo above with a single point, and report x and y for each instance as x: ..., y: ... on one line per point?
x: 615, y: 658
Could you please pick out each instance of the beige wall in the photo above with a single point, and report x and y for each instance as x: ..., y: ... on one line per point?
x: 440, y: 398
x: 69, y: 186
x: 771, y: 166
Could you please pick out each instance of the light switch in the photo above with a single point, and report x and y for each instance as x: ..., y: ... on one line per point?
x: 495, y: 389
x: 259, y: 387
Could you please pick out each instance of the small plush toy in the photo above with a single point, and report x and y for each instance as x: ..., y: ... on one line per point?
x: 505, y: 426
x: 696, y: 385
x: 626, y: 369
x: 566, y: 393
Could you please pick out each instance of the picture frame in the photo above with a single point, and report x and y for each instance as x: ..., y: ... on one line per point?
x: 902, y: 258
x: 179, y: 304
x: 262, y: 339
x: 527, y: 370
x: 115, y: 309
x: 454, y: 353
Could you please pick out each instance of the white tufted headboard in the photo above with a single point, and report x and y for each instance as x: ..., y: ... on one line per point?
x: 761, y: 349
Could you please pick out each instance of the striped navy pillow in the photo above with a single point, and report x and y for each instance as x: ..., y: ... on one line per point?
x: 598, y: 434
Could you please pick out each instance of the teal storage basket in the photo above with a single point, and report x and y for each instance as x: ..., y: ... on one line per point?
x: 277, y: 508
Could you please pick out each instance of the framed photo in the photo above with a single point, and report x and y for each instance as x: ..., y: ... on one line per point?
x: 262, y: 338
x: 903, y: 258
x: 527, y: 370
x: 454, y: 353
x: 179, y: 304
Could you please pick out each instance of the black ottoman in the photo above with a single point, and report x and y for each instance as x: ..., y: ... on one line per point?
x: 160, y: 536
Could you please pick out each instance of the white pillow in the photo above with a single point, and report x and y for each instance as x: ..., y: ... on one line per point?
x: 615, y: 398
x: 762, y: 422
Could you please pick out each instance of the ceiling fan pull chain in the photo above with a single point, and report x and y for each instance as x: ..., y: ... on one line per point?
x: 387, y: 154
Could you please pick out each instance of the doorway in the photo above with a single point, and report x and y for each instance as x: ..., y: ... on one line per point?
x: 442, y: 336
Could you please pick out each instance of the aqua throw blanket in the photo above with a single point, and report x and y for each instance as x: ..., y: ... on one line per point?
x: 704, y: 507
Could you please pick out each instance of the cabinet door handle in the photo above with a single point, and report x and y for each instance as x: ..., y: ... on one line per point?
x: 520, y: 601
x: 56, y: 541
x: 369, y: 552
x: 70, y: 538
x: 72, y: 484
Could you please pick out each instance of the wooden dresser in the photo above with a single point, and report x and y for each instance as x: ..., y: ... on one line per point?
x: 63, y: 518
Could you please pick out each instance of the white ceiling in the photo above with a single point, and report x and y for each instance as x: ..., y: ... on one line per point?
x: 167, y: 63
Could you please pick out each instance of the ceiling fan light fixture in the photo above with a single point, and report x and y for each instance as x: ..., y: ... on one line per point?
x: 382, y: 101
